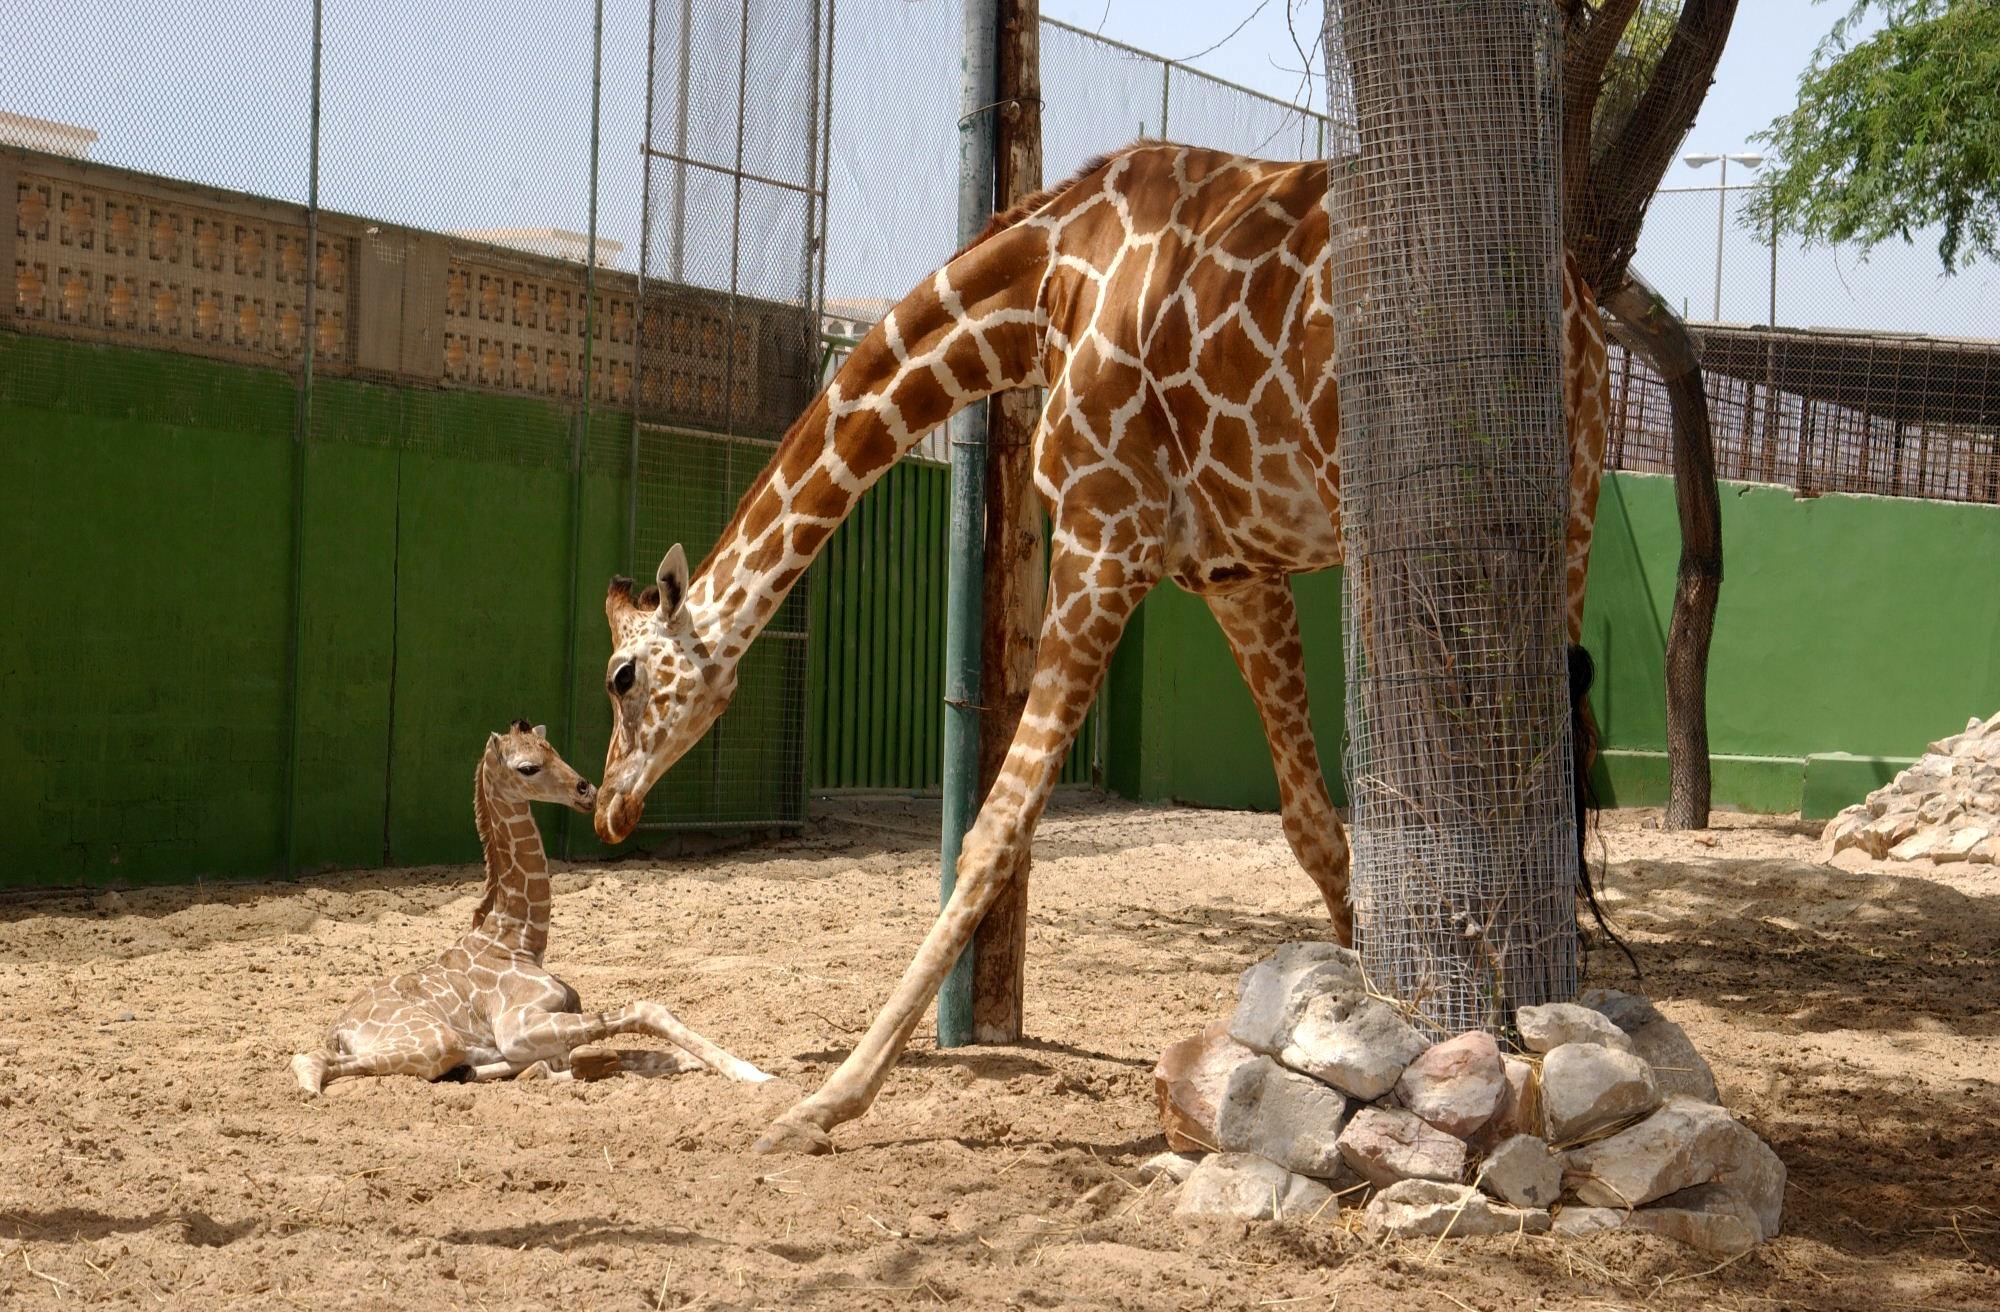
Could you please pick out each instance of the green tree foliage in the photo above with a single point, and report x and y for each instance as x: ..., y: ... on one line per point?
x: 1895, y: 131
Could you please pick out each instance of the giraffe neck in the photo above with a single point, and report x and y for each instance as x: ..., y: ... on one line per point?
x: 515, y: 910
x: 972, y: 330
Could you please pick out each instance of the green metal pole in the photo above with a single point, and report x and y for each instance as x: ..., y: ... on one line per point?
x: 302, y: 428
x: 979, y: 88
x: 580, y: 444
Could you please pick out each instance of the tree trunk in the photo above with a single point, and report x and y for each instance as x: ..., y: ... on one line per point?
x: 1648, y: 326
x: 1015, y: 576
x: 1610, y: 172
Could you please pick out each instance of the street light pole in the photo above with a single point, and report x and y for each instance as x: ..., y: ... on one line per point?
x: 1721, y: 208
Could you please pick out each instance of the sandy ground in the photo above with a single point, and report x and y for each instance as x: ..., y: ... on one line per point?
x: 154, y: 1153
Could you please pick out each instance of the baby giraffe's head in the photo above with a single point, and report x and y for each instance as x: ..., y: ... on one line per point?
x: 522, y: 767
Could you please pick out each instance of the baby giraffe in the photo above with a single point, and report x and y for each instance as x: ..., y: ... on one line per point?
x: 485, y: 1009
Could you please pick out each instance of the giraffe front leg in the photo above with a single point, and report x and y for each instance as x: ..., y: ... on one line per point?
x: 1262, y: 626
x: 526, y: 1035
x: 1091, y: 596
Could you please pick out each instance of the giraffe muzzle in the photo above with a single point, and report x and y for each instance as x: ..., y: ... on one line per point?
x: 617, y: 815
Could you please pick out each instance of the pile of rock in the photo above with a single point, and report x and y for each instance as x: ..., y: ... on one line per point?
x: 1316, y: 1093
x: 1946, y: 807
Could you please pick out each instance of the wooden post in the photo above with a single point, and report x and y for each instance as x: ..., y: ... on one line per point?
x: 1015, y: 574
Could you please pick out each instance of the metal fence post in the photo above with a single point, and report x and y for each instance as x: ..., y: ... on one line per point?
x: 968, y: 518
x: 302, y: 428
x: 580, y: 442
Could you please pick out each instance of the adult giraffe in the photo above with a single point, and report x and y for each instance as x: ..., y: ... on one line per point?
x: 1175, y: 303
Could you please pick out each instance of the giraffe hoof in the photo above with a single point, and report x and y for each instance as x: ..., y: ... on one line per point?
x: 310, y: 1072
x: 801, y: 1137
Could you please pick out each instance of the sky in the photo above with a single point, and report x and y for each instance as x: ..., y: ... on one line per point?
x: 475, y: 114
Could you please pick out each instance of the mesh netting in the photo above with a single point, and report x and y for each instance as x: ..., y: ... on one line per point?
x: 730, y: 281
x: 1454, y: 485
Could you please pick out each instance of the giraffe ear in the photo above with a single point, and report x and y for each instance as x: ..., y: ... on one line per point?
x: 673, y: 580
x: 541, y: 731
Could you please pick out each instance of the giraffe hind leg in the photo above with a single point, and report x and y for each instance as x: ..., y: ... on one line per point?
x: 1262, y: 626
x: 422, y: 1047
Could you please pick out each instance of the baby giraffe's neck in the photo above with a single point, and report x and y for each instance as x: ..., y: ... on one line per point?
x: 515, y: 911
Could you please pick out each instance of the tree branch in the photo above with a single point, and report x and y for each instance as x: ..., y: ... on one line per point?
x: 1625, y: 172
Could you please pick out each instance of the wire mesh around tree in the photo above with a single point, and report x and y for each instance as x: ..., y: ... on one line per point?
x: 1447, y: 268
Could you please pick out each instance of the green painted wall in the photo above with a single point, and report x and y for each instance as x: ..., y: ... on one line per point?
x: 1851, y: 631
x: 145, y: 512
x: 145, y: 518
x: 875, y: 713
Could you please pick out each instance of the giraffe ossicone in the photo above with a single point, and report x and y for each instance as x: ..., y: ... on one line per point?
x: 1177, y: 307
x: 486, y: 1008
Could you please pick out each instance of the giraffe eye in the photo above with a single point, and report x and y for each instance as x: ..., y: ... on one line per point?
x: 621, y: 682
x: 527, y: 770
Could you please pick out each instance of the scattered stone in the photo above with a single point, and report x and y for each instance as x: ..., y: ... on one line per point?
x: 1456, y: 1085
x: 1249, y: 1188
x: 1521, y: 1110
x: 1548, y: 1027
x: 1272, y: 994
x: 1522, y: 1172
x: 1945, y: 807
x: 1289, y: 1118
x: 1707, y: 1217
x: 1677, y: 1066
x: 1587, y: 1087
x: 1177, y: 1167
x: 1385, y: 1145
x: 1188, y: 1083
x: 1354, y: 1042
x: 1432, y: 1208
x: 1576, y: 1221
x: 1628, y: 1011
x: 1956, y: 845
x: 1683, y: 1144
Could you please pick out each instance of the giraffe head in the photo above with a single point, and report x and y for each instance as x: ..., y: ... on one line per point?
x: 666, y: 685
x: 522, y: 767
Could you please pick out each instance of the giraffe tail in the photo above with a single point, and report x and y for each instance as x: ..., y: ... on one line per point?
x: 1582, y: 671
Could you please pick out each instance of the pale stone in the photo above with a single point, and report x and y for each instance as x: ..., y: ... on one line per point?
x: 1987, y: 853
x: 1271, y: 995
x: 1576, y: 1221
x: 1956, y: 845
x: 1683, y: 1144
x: 1430, y: 1208
x: 1548, y: 1027
x: 1385, y: 1145
x: 1706, y: 1217
x: 1354, y: 1042
x: 1663, y: 1045
x: 1521, y: 1171
x: 1917, y: 845
x: 1521, y: 1110
x: 1628, y: 1011
x: 1249, y: 1188
x: 1291, y: 1119
x: 1176, y: 1167
x: 1677, y: 1067
x: 1456, y: 1085
x: 1587, y: 1087
x: 1188, y: 1084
